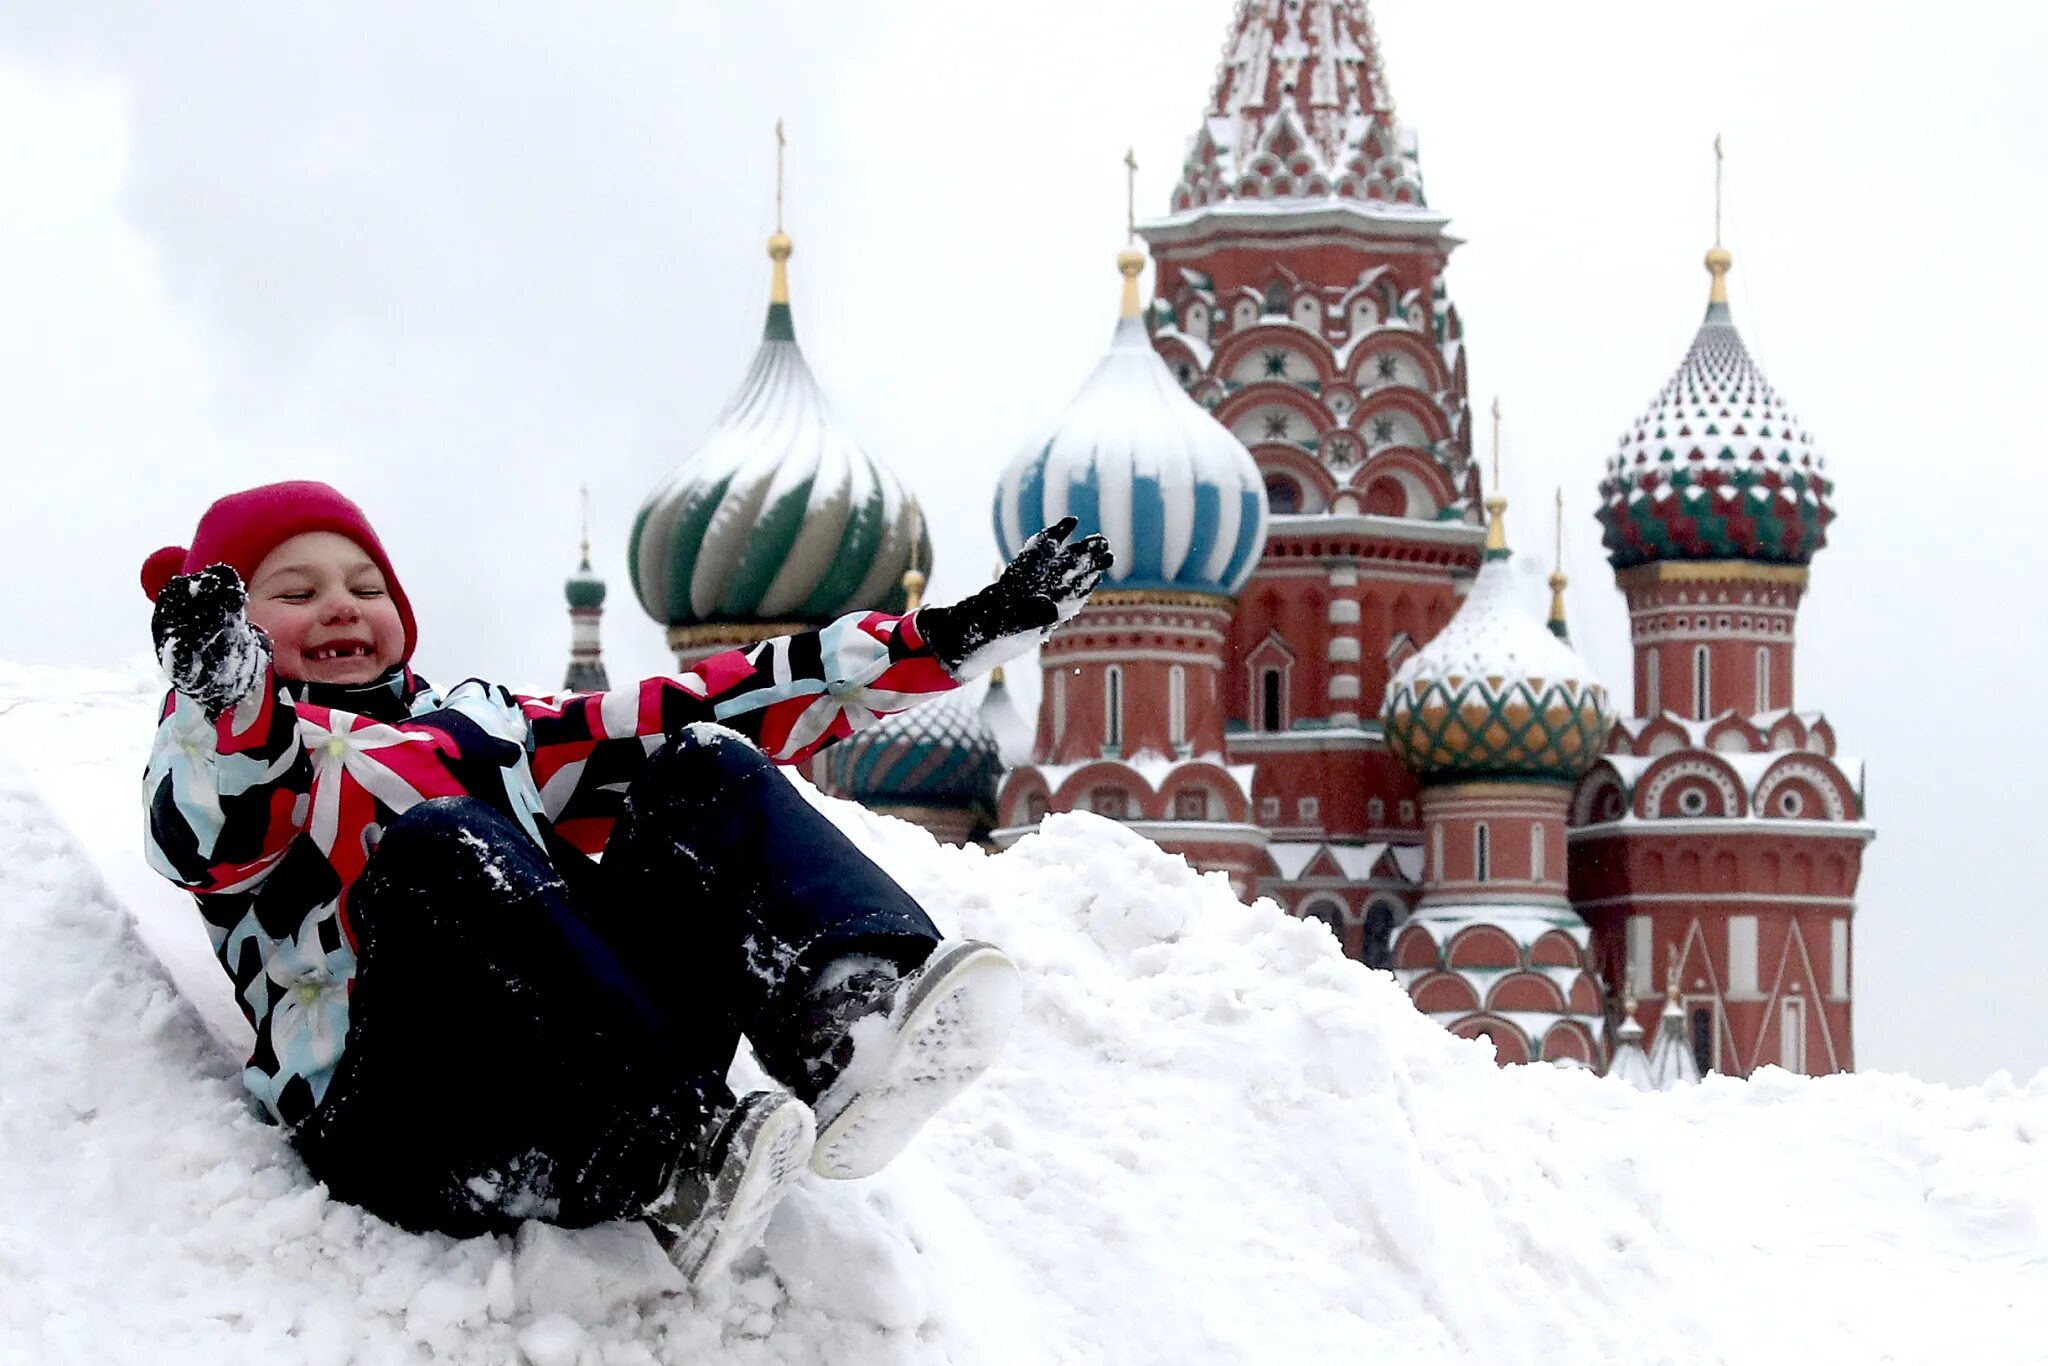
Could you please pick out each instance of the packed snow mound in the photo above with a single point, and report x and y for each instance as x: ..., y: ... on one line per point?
x: 1213, y: 1139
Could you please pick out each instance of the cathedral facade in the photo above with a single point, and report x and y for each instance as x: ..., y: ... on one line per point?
x: 1309, y: 671
x: 1480, y: 817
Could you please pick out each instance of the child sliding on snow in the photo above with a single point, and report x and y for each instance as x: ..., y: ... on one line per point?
x: 463, y: 1017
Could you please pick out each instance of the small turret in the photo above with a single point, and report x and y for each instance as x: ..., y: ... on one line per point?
x: 585, y: 592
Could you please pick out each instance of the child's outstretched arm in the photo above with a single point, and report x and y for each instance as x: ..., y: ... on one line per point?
x: 224, y: 743
x: 796, y: 694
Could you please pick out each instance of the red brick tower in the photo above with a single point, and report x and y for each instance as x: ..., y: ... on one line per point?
x: 1721, y: 839
x: 1497, y: 717
x: 1300, y: 297
x: 1131, y: 724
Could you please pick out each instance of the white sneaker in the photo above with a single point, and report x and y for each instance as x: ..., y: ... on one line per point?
x: 924, y: 1042
x: 720, y: 1200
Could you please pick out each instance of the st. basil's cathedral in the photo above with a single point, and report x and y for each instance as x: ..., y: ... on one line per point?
x: 1311, y: 670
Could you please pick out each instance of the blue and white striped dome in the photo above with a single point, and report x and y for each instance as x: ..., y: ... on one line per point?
x: 1133, y: 457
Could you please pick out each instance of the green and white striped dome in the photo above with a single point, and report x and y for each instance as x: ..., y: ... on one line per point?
x: 779, y: 516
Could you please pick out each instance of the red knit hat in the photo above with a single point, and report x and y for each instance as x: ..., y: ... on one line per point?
x: 241, y: 529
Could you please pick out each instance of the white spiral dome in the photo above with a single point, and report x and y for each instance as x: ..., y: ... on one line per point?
x: 1134, y: 458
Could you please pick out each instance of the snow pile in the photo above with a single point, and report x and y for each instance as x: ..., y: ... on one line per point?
x: 1214, y: 1140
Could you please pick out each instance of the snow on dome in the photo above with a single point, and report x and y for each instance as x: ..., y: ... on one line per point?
x: 1135, y: 458
x: 1496, y: 695
x: 779, y: 516
x: 939, y: 753
x: 1718, y: 468
x: 584, y: 589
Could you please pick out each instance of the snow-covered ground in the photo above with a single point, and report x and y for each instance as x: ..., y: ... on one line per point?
x: 1214, y: 1140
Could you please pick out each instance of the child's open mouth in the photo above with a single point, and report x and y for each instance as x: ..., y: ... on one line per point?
x: 327, y: 652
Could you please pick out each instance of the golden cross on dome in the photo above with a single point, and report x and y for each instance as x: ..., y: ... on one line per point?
x: 1131, y: 194
x: 1717, y: 189
x: 1560, y: 528
x: 781, y: 147
x: 1496, y: 443
x: 586, y: 526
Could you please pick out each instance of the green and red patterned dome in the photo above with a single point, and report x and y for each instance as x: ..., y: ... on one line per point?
x: 1496, y: 696
x: 1718, y: 468
x: 779, y: 517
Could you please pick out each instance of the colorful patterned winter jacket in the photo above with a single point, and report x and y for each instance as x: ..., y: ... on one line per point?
x: 270, y: 813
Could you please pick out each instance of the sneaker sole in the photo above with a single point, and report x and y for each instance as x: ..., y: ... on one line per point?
x: 776, y: 1140
x: 956, y: 1017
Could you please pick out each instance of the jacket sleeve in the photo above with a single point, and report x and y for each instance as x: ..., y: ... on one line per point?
x: 219, y: 796
x: 792, y: 696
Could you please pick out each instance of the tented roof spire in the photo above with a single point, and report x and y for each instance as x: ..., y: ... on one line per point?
x: 1301, y: 111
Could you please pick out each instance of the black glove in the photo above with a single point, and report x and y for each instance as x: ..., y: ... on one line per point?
x: 1046, y: 584
x: 204, y: 640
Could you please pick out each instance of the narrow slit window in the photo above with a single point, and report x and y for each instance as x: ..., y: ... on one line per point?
x: 1482, y: 852
x: 1702, y: 678
x: 1177, y: 704
x: 1113, y: 707
x: 1269, y: 699
x: 1763, y: 678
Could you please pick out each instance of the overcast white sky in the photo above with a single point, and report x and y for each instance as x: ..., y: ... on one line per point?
x: 461, y: 258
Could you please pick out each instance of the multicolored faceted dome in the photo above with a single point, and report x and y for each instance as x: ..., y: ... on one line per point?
x: 1496, y: 696
x: 1134, y: 458
x: 779, y: 516
x: 937, y: 754
x: 1718, y: 468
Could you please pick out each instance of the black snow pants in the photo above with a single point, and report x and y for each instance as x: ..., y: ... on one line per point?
x: 537, y: 1037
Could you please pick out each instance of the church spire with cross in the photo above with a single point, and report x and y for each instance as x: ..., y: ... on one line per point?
x: 779, y: 521
x: 585, y: 592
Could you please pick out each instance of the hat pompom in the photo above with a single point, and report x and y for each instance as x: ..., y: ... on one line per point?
x: 159, y: 569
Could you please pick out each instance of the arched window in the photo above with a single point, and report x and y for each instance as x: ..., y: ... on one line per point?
x: 1113, y: 707
x: 1482, y: 852
x: 1276, y: 298
x: 1536, y: 852
x: 1792, y: 1034
x: 1269, y: 699
x: 1436, y: 853
x: 1059, y: 705
x: 1177, y: 704
x: 1283, y: 495
x: 1702, y: 678
x: 1763, y: 678
x: 1653, y: 693
x: 1329, y: 914
x: 1376, y: 944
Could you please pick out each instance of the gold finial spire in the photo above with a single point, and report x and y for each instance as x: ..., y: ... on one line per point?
x: 1557, y: 578
x: 586, y: 526
x: 1719, y: 259
x: 779, y: 246
x: 1496, y: 528
x: 1130, y: 260
x: 913, y: 577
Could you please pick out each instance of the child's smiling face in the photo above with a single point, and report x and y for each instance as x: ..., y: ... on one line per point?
x: 327, y: 610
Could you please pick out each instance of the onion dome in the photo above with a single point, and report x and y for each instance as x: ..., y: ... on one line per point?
x: 1718, y: 468
x: 937, y: 754
x: 1000, y: 713
x: 1496, y: 695
x: 779, y: 516
x: 584, y: 589
x: 1134, y: 458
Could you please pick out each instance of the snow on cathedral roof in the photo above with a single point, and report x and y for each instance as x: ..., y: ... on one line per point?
x: 1301, y: 112
x: 1719, y: 468
x: 1496, y: 695
x: 779, y: 516
x: 1134, y: 458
